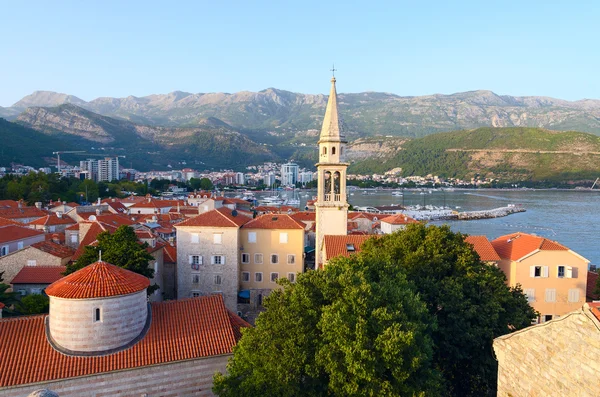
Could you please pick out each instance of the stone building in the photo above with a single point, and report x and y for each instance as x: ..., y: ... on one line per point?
x: 35, y: 279
x: 392, y: 223
x: 102, y: 337
x: 52, y: 223
x: 271, y: 247
x: 208, y: 255
x: 553, y: 277
x: 557, y: 358
x: 41, y: 253
x: 331, y: 205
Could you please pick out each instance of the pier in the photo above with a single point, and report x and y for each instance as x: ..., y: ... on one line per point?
x: 447, y: 214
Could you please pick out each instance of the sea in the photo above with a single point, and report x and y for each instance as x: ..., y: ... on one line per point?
x: 571, y: 217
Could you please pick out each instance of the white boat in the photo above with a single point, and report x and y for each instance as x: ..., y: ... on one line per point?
x: 397, y: 194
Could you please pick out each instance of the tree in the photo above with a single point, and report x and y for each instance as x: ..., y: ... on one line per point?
x: 8, y: 298
x: 351, y: 329
x: 469, y: 300
x: 122, y: 249
x: 34, y: 304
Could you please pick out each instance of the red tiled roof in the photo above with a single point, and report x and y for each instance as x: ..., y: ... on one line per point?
x: 50, y: 247
x: 14, y: 233
x: 399, y: 219
x: 98, y: 280
x: 73, y: 227
x: 170, y: 254
x: 52, y: 220
x: 117, y: 206
x: 9, y: 204
x: 24, y: 212
x: 221, y: 217
x: 39, y: 275
x: 592, y: 279
x: 483, y: 247
x: 365, y: 215
x: 305, y: 216
x: 7, y: 222
x: 91, y: 236
x: 338, y: 245
x: 153, y: 203
x: 517, y: 245
x: 266, y: 208
x: 114, y: 219
x: 197, y: 327
x: 351, y: 225
x: 233, y: 200
x: 273, y: 221
x: 595, y: 309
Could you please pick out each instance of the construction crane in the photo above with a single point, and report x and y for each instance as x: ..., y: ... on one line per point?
x: 69, y: 151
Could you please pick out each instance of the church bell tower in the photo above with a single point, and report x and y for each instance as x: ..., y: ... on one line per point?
x: 331, y: 206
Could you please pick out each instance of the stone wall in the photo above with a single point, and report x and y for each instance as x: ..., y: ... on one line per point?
x: 557, y: 358
x: 12, y: 264
x: 184, y: 378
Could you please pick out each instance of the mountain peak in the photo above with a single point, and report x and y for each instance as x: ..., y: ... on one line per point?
x: 47, y: 99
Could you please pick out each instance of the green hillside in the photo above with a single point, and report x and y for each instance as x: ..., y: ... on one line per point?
x: 504, y: 153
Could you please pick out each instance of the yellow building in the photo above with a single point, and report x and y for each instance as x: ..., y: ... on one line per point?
x: 331, y: 205
x: 552, y: 276
x: 271, y: 247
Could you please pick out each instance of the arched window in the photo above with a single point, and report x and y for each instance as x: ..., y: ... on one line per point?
x: 333, y: 150
x: 324, y: 150
x: 327, y: 186
x: 336, y: 184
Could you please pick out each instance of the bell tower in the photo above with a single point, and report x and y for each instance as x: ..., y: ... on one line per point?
x: 331, y: 206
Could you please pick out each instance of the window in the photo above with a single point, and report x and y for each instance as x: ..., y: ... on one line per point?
x: 546, y: 317
x: 292, y: 277
x: 252, y: 237
x: 196, y: 279
x: 333, y: 150
x: 195, y: 261
x: 31, y: 262
x: 561, y: 271
x: 217, y: 279
x: 350, y: 247
x: 36, y: 291
x: 52, y: 229
x: 574, y: 295
x: 245, y: 258
x: 20, y: 244
x: 324, y: 150
x: 4, y: 250
x: 550, y: 295
x: 22, y: 292
x: 195, y: 238
x: 530, y: 294
x: 274, y: 258
x: 258, y: 259
x: 217, y: 238
x: 97, y: 315
x: 258, y: 277
x: 538, y: 271
x: 217, y: 260
x: 195, y: 294
x: 274, y: 277
x: 291, y: 259
x: 74, y: 238
x: 245, y: 276
x: 283, y: 238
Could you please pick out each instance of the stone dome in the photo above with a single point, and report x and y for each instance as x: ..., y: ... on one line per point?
x: 98, y: 310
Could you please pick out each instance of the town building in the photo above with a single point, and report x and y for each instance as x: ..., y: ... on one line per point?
x: 289, y: 174
x: 271, y: 247
x: 392, y: 223
x: 105, y: 170
x: 102, y: 337
x: 14, y: 238
x: 331, y: 205
x: 484, y: 249
x: 35, y: 279
x: 552, y: 276
x: 557, y: 358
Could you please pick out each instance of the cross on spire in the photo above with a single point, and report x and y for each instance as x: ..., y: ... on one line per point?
x: 333, y: 70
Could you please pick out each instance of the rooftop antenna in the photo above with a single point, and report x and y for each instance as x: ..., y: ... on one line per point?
x: 333, y: 70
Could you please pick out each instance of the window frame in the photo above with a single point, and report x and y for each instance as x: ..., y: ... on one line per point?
x: 253, y: 239
x: 256, y: 277
x: 217, y: 238
x: 97, y: 315
x: 292, y: 277
x: 276, y: 274
x: 195, y: 238
x: 258, y: 254
x: 276, y: 256
x: 293, y: 261
x: 217, y: 279
x: 248, y: 278
x: 564, y: 268
x: 247, y: 261
x: 283, y: 237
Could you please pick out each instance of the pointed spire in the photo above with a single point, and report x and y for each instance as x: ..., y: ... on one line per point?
x: 331, y: 124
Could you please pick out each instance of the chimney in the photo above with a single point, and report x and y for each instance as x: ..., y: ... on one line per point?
x: 38, y: 205
x: 98, y: 211
x: 56, y: 238
x: 99, y: 201
x: 20, y: 203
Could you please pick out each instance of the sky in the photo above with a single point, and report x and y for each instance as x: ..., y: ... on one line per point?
x: 94, y: 48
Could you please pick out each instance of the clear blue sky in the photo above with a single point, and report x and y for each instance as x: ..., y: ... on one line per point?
x: 120, y: 48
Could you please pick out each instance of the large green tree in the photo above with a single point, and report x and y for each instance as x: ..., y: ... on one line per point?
x: 468, y: 299
x: 121, y: 248
x: 34, y: 304
x: 351, y: 329
x: 9, y: 299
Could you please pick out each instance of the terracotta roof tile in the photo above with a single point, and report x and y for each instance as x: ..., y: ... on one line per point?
x: 14, y: 233
x: 91, y: 236
x: 98, y: 280
x: 592, y: 279
x: 338, y: 245
x: 198, y: 327
x: 364, y: 215
x: 52, y: 220
x: 7, y: 222
x: 483, y: 247
x: 50, y: 247
x: 73, y: 227
x: 9, y: 204
x: 39, y: 275
x: 399, y: 219
x: 305, y: 216
x: 114, y: 219
x: 274, y: 221
x: 24, y: 212
x: 517, y: 245
x: 221, y: 217
x: 170, y: 254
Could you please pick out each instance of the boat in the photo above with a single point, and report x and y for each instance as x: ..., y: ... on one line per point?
x: 397, y: 194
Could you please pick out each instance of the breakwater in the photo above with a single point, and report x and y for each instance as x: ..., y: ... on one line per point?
x: 446, y: 214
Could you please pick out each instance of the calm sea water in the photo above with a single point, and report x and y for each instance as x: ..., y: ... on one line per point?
x: 570, y: 217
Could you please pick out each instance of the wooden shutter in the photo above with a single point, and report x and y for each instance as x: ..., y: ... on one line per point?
x: 531, y: 271
x: 544, y: 271
x: 222, y: 259
x: 568, y: 272
x: 191, y: 259
x: 212, y: 260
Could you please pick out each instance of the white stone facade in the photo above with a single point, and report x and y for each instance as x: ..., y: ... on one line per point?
x: 74, y: 325
x: 198, y: 270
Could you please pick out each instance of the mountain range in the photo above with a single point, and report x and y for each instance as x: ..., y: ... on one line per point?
x: 277, y: 116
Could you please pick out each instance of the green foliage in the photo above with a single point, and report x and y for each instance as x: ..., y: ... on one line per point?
x: 201, y: 184
x: 9, y: 299
x: 120, y: 249
x: 34, y: 304
x: 468, y: 299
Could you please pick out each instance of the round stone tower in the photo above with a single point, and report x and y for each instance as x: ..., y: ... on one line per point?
x: 100, y: 309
